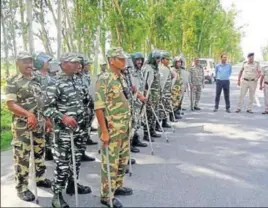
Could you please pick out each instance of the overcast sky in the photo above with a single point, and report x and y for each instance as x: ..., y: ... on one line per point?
x: 254, y: 13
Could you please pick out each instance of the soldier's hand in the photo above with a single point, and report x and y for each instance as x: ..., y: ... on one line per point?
x: 134, y: 89
x: 105, y: 138
x: 69, y: 121
x: 31, y: 121
x: 143, y: 99
x: 49, y: 125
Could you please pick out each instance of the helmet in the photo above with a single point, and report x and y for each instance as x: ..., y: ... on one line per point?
x: 165, y: 55
x: 137, y: 55
x: 152, y: 56
x: 39, y: 59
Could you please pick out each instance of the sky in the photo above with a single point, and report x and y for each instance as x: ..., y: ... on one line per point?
x: 253, y: 14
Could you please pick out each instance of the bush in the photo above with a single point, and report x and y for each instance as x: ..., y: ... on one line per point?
x: 6, y: 135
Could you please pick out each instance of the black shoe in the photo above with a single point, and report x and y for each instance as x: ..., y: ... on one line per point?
x: 171, y: 118
x: 197, y: 108
x: 165, y: 124
x: 146, y: 138
x: 158, y: 128
x: 81, y: 189
x: 86, y: 158
x: 136, y: 141
x: 215, y: 110
x: 154, y: 134
x: 133, y: 161
x: 26, y: 196
x: 45, y: 183
x: 116, y: 203
x: 238, y: 111
x: 178, y: 116
x: 123, y: 191
x: 126, y: 170
x: 48, y: 155
x: 58, y: 201
x: 249, y: 111
x: 228, y: 110
x: 134, y: 149
x: 90, y: 142
x: 93, y: 129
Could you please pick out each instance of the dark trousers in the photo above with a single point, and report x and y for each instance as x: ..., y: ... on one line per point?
x: 225, y: 86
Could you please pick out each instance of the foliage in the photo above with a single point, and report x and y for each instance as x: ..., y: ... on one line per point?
x: 265, y: 52
x: 6, y: 135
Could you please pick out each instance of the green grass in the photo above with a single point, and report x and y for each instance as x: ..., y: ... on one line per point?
x: 6, y: 135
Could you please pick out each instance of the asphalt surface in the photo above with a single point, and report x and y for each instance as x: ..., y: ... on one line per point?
x: 213, y: 159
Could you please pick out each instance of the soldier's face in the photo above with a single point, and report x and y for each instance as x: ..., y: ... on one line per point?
x: 71, y: 67
x: 79, y: 68
x: 45, y: 67
x: 165, y: 61
x: 178, y: 64
x: 251, y: 58
x: 196, y: 62
x: 87, y: 68
x: 158, y: 60
x: 25, y: 66
x: 138, y: 63
x: 118, y: 63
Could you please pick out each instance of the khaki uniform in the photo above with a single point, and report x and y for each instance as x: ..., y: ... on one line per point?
x: 265, y: 89
x: 249, y: 83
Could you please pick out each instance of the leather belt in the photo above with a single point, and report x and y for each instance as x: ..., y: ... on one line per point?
x: 250, y: 80
x: 266, y: 83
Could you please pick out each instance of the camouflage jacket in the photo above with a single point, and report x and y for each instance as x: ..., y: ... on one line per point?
x: 26, y: 92
x: 165, y: 81
x: 197, y: 75
x: 110, y: 97
x: 64, y: 98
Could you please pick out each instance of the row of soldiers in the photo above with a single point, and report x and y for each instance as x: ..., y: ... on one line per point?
x: 130, y: 94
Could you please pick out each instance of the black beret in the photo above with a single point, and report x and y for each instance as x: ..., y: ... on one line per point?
x: 250, y: 54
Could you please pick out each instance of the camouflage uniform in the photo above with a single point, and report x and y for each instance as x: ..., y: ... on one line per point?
x: 166, y: 83
x: 66, y: 98
x: 151, y: 71
x: 264, y: 73
x: 197, y: 81
x: 25, y: 93
x: 177, y: 86
x: 111, y: 98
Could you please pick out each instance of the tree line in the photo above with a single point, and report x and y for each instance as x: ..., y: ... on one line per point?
x: 200, y: 28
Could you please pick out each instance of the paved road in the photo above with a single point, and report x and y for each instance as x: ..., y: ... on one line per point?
x: 214, y: 159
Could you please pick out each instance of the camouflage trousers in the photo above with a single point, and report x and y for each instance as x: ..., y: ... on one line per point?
x: 176, y: 96
x: 154, y: 104
x: 195, y: 95
x: 118, y: 158
x: 63, y: 155
x: 21, y: 154
x: 165, y: 107
x: 49, y: 140
x: 89, y: 117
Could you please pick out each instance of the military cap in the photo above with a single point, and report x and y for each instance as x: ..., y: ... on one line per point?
x: 156, y: 54
x: 137, y: 55
x: 70, y: 57
x: 166, y: 55
x: 250, y: 54
x: 23, y: 55
x: 116, y: 52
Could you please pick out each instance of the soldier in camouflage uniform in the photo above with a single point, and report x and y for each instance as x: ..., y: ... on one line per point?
x: 64, y: 103
x: 113, y: 114
x: 152, y: 78
x: 23, y: 95
x: 177, y: 87
x: 165, y: 83
x: 138, y: 81
x: 83, y: 80
x: 197, y: 83
x: 41, y: 64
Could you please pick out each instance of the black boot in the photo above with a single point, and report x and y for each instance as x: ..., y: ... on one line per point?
x: 133, y: 161
x: 116, y: 203
x: 26, y: 196
x: 123, y: 191
x: 146, y: 137
x: 91, y: 142
x: 45, y: 183
x: 134, y: 149
x: 171, y: 118
x: 48, y: 154
x: 154, y: 134
x: 136, y: 141
x: 81, y: 189
x: 177, y: 115
x: 157, y: 127
x: 165, y: 124
x: 86, y: 158
x: 58, y: 201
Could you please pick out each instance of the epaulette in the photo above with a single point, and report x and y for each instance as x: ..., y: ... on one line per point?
x: 104, y: 75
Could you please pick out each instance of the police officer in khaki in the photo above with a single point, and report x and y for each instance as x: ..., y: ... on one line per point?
x: 264, y: 87
x: 249, y: 74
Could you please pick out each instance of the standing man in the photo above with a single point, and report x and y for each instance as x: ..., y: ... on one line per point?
x: 24, y: 96
x: 41, y: 64
x: 223, y: 72
x: 114, y: 117
x: 64, y: 104
x: 152, y: 79
x: 250, y: 73
x: 166, y: 83
x: 197, y: 83
x: 264, y: 87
